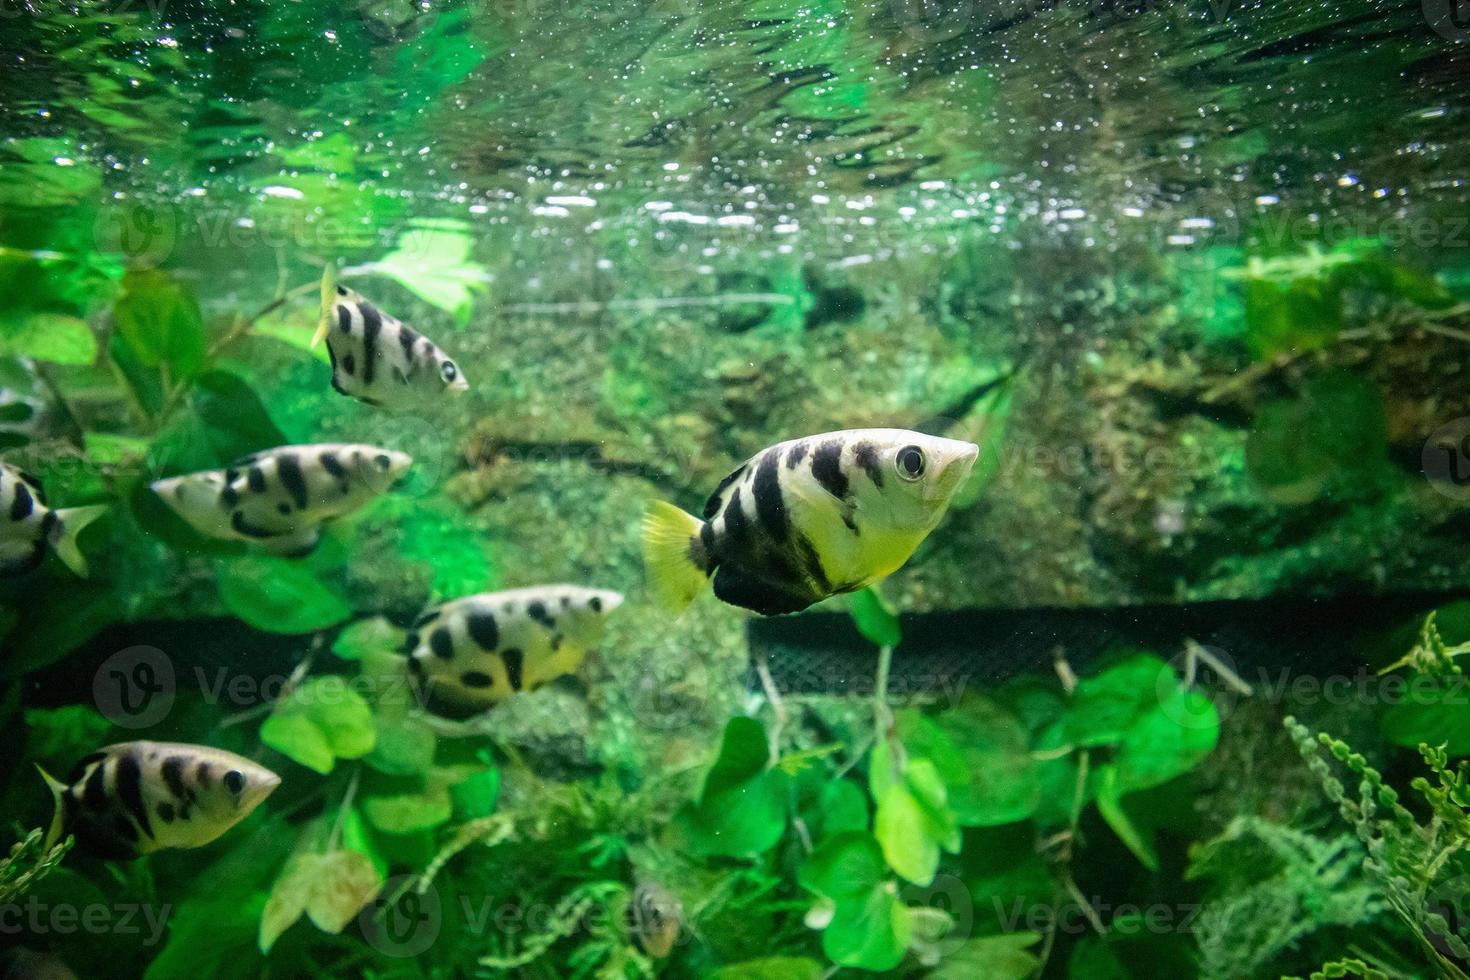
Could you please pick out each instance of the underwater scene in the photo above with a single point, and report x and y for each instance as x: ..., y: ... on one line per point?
x: 735, y: 489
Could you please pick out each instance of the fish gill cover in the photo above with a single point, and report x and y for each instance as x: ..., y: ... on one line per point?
x: 339, y: 658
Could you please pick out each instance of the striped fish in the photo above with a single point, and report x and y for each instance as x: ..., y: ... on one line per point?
x: 280, y: 497
x: 807, y: 519
x: 377, y: 359
x: 27, y: 526
x: 655, y: 917
x: 139, y: 797
x: 474, y: 652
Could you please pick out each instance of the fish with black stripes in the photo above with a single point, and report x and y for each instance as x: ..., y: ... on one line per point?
x: 378, y: 359
x: 806, y: 519
x: 28, y: 526
x: 135, y: 798
x: 474, y: 652
x: 280, y: 498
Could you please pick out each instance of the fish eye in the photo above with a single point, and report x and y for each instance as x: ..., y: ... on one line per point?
x: 448, y: 371
x: 235, y: 781
x: 910, y: 462
x: 341, y: 290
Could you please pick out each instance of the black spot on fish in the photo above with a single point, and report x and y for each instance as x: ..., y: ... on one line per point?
x: 203, y: 775
x: 410, y: 643
x: 537, y: 611
x: 737, y: 525
x: 22, y: 505
x: 129, y: 784
x: 415, y: 666
x: 442, y: 643
x: 475, y: 678
x: 796, y: 455
x: 382, y: 462
x: 566, y: 602
x: 425, y: 617
x: 289, y: 467
x: 166, y: 812
x: 349, y: 365
x: 173, y: 776
x: 595, y: 603
x: 770, y: 509
x: 246, y: 529
x: 514, y: 660
x: 407, y: 338
x: 80, y: 769
x: 866, y: 455
x: 333, y: 465
x: 712, y: 505
x: 483, y: 629
x: 739, y: 588
x: 812, y: 563
x: 372, y: 325
x: 94, y: 792
x: 344, y: 316
x: 255, y: 477
x: 556, y: 642
x: 284, y: 508
x: 124, y: 828
x: 228, y: 496
x: 827, y: 468
x: 341, y: 290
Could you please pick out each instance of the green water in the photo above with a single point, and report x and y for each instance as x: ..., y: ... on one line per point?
x: 1192, y: 276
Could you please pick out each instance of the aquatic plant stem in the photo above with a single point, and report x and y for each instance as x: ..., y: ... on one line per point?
x: 773, y: 695
x: 346, y: 804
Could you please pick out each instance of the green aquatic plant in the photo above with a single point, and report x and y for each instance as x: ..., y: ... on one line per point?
x: 28, y: 862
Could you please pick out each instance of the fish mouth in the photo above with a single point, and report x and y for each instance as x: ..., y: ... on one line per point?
x: 957, y: 460
x: 610, y: 601
x: 262, y: 785
x: 460, y: 386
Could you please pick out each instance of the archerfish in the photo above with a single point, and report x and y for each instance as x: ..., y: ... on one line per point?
x: 806, y: 519
x: 28, y: 526
x: 378, y: 359
x: 476, y: 651
x: 138, y: 797
x: 279, y: 498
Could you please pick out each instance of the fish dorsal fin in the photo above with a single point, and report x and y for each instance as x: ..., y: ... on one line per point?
x: 717, y: 499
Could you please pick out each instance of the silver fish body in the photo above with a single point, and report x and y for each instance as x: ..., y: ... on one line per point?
x: 135, y: 798
x: 806, y: 519
x: 476, y: 651
x: 28, y: 526
x: 280, y: 498
x: 378, y: 359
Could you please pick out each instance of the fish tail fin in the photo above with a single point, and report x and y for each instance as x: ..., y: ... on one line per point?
x: 69, y: 524
x: 329, y: 300
x: 674, y: 557
x: 58, y: 816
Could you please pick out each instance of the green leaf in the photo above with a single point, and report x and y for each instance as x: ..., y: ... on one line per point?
x: 742, y: 809
x: 875, y: 619
x: 329, y: 888
x: 476, y: 796
x: 1104, y: 707
x: 319, y: 722
x: 407, y: 813
x: 770, y: 968
x: 403, y: 747
x: 235, y: 421
x: 1431, y: 714
x: 48, y: 337
x: 847, y: 865
x: 374, y: 635
x: 161, y: 323
x: 279, y: 596
x: 57, y: 625
x: 1170, y: 738
x: 1004, y: 957
x: 1111, y: 807
x: 432, y: 261
x: 996, y: 781
x: 914, y: 822
x: 842, y: 808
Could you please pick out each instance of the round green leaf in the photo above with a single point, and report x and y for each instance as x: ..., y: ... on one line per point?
x: 279, y: 596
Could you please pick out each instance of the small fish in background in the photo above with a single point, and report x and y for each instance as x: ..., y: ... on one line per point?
x: 378, y: 359
x: 807, y: 519
x: 28, y: 526
x: 477, y: 651
x: 279, y: 498
x: 655, y: 917
x: 135, y: 798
